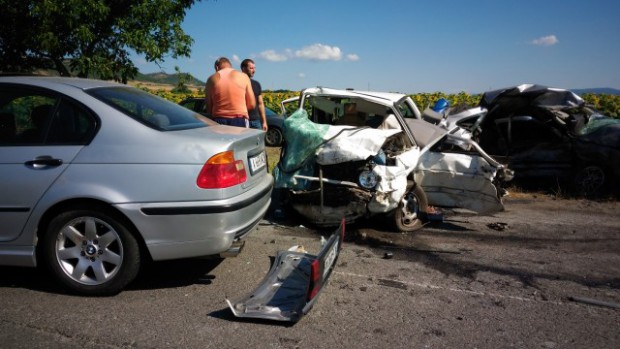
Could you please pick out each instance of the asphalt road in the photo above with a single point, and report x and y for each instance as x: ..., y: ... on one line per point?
x: 543, y: 274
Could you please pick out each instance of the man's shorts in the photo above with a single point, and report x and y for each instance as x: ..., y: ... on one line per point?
x: 257, y: 124
x: 239, y: 122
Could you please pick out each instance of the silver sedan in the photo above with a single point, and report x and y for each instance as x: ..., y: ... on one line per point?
x: 98, y: 177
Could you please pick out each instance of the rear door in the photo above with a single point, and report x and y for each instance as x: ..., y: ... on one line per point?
x: 535, y: 148
x: 41, y: 134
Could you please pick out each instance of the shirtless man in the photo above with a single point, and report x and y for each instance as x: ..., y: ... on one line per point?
x: 229, y: 95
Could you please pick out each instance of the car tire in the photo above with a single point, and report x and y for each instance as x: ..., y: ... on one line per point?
x: 273, y: 137
x: 590, y: 181
x: 410, y: 215
x: 91, y: 251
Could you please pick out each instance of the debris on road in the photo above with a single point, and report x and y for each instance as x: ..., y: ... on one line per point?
x: 293, y: 283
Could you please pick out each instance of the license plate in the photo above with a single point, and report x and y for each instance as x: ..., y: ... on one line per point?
x: 330, y: 258
x: 257, y: 162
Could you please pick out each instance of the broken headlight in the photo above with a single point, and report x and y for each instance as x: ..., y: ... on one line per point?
x: 368, y: 179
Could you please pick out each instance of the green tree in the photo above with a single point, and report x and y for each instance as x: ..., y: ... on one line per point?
x: 90, y: 37
x: 182, y: 79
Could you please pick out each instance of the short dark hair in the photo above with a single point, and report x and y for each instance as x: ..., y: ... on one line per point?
x: 220, y: 61
x: 245, y: 62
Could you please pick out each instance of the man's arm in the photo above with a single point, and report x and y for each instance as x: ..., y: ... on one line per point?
x: 261, y: 110
x: 250, y: 101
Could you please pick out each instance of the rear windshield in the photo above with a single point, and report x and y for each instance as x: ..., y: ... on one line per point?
x: 151, y: 110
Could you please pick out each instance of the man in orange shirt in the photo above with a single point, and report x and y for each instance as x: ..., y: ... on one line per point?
x: 229, y: 95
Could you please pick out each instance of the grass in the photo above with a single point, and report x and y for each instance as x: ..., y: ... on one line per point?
x: 273, y: 156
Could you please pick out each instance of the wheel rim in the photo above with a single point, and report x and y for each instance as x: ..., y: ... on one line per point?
x: 591, y: 179
x: 409, y: 209
x: 272, y: 137
x: 89, y: 251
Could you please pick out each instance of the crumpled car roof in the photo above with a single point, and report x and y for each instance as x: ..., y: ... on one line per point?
x: 531, y: 94
x: 546, y: 104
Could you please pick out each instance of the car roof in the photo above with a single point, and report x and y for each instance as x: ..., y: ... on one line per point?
x: 380, y: 97
x: 58, y: 81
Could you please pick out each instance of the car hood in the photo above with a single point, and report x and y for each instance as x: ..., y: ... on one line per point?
x: 602, y: 131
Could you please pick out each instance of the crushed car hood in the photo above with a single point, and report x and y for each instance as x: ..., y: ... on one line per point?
x: 449, y: 179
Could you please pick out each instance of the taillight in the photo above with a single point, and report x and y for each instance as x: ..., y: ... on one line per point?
x: 315, y: 279
x: 221, y: 171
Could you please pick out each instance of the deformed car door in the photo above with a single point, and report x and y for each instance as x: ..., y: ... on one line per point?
x: 29, y: 166
x: 455, y: 179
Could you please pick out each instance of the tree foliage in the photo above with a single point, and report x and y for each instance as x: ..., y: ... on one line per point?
x: 90, y: 37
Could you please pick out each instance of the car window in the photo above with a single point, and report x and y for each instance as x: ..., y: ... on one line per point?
x: 148, y: 109
x: 37, y: 117
x: 335, y: 110
x: 194, y: 104
x: 522, y: 132
x: 269, y: 112
x: 405, y: 110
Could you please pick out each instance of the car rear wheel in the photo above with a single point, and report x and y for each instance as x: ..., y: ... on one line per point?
x: 410, y: 213
x: 91, y: 251
x: 590, y: 180
x: 273, y: 137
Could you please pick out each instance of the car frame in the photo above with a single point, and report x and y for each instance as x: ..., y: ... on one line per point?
x: 337, y: 134
x: 120, y: 177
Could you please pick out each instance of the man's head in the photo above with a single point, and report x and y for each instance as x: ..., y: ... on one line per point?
x: 222, y: 63
x: 248, y: 67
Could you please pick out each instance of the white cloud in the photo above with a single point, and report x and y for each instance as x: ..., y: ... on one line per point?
x: 273, y: 56
x: 302, y: 75
x: 315, y: 52
x: 353, y: 57
x: 319, y: 52
x: 549, y: 40
x: 236, y: 59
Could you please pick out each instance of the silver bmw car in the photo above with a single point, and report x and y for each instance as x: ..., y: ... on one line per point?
x: 97, y: 178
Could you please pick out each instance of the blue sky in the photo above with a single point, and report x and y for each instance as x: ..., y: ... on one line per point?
x: 407, y: 46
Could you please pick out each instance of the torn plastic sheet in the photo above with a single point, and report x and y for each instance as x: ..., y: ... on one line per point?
x: 292, y: 285
x: 309, y: 142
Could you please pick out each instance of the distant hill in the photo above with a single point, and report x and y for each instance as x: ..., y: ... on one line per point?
x: 163, y: 78
x: 597, y: 90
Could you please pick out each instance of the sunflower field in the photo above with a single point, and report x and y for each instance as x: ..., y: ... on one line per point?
x: 607, y: 104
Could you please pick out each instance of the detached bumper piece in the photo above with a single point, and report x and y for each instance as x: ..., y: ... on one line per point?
x: 293, y: 284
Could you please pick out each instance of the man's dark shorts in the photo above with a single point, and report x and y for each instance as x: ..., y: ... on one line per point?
x: 239, y: 122
x: 257, y: 124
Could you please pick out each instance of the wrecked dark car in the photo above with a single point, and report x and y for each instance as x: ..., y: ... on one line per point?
x: 359, y: 154
x: 543, y: 132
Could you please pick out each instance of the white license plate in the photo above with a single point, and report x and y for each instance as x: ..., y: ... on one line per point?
x: 330, y: 258
x: 257, y: 162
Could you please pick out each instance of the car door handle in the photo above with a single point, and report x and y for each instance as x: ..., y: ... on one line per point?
x: 44, y: 161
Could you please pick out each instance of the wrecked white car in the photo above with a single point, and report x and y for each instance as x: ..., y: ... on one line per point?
x: 357, y: 154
